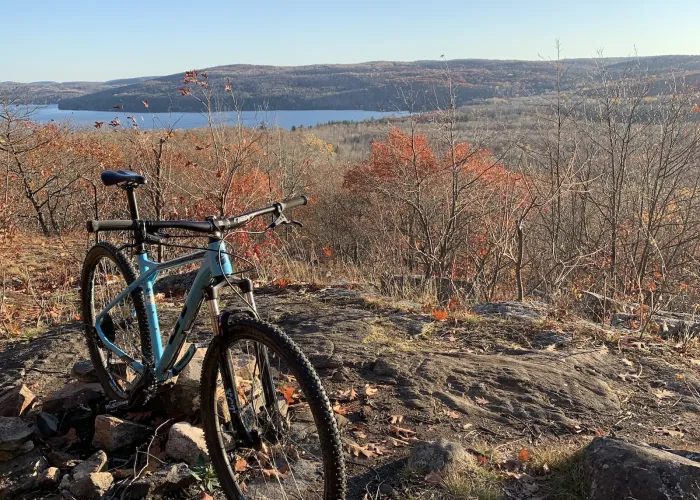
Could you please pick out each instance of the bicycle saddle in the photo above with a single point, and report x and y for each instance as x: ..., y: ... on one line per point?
x: 112, y: 177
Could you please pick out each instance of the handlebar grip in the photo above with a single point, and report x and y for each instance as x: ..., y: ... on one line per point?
x: 110, y: 225
x: 294, y: 202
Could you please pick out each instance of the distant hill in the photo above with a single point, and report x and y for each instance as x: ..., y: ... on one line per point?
x: 366, y: 86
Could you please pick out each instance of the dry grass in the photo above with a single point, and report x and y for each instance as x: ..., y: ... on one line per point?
x: 39, y: 289
x: 470, y: 480
x: 564, y: 468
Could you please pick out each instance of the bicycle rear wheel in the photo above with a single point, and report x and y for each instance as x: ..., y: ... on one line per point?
x: 106, y: 273
x: 269, y: 426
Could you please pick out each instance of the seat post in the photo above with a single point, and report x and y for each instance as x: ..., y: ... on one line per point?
x: 133, y: 206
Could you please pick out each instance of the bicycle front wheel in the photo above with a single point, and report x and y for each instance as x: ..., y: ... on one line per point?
x: 269, y: 426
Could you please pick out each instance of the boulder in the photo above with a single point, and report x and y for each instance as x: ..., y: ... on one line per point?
x: 436, y: 455
x: 21, y: 474
x: 619, y: 469
x: 15, y: 438
x: 169, y: 479
x: 91, y: 486
x: 112, y: 433
x: 186, y: 442
x: 84, y: 371
x: 72, y: 396
x: 183, y: 396
x: 16, y: 401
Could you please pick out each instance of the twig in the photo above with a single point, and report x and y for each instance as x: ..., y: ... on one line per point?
x: 137, y: 475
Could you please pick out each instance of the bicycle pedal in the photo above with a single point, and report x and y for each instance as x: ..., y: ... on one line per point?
x: 113, y: 406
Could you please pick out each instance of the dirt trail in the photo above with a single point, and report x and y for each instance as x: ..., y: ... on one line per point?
x: 487, y: 382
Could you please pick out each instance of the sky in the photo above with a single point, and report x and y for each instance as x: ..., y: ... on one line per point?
x: 99, y: 40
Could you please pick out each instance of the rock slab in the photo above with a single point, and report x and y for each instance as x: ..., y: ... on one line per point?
x: 112, y: 433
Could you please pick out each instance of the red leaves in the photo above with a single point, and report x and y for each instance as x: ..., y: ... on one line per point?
x: 99, y: 124
x: 440, y: 315
x: 184, y: 91
x: 145, y: 103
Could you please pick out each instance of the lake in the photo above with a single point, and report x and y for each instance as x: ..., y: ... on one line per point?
x: 284, y: 119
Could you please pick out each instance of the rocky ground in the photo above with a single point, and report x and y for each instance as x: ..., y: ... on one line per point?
x: 504, y: 402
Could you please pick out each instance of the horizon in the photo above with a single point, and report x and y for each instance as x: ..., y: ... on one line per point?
x: 102, y: 42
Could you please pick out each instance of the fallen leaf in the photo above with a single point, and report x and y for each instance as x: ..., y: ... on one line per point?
x: 349, y: 395
x: 481, y: 401
x: 359, y: 434
x: 627, y: 362
x: 288, y: 393
x: 396, y: 419
x: 401, y: 431
x: 339, y: 409
x: 358, y: 450
x: 523, y: 455
x: 451, y: 413
x: 669, y: 432
x: 241, y: 465
x: 433, y: 478
x: 273, y: 474
x: 663, y: 393
x: 369, y: 390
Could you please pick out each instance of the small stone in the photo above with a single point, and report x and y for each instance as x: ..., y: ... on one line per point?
x: 112, y: 433
x: 84, y: 371
x: 186, y: 442
x: 47, y: 424
x: 91, y: 486
x: 16, y: 401
x: 94, y: 463
x: 436, y: 455
x: 72, y: 396
x: 49, y: 477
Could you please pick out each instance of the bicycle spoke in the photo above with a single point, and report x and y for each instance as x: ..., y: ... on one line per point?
x: 286, y: 463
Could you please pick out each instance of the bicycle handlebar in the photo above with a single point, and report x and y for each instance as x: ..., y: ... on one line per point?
x: 209, y: 226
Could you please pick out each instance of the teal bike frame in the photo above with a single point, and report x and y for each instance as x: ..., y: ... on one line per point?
x: 216, y: 266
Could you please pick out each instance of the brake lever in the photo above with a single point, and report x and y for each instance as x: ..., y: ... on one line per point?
x: 281, y: 220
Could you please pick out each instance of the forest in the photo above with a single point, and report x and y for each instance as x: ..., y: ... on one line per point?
x: 590, y: 187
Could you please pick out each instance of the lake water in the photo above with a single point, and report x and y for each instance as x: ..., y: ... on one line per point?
x: 284, y: 119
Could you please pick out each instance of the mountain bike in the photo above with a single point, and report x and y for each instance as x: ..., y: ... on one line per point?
x: 269, y: 427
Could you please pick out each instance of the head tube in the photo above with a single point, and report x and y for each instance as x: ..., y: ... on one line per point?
x: 218, y: 260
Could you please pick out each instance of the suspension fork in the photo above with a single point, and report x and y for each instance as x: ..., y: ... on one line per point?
x: 228, y: 375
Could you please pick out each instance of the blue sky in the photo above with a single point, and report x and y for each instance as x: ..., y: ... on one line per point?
x: 99, y: 40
